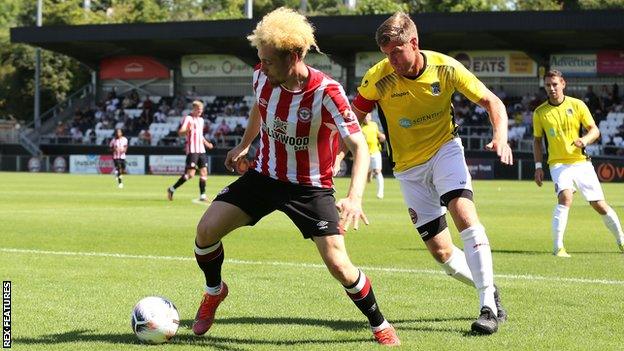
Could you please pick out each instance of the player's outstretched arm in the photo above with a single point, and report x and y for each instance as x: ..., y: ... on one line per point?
x: 240, y: 150
x: 538, y: 158
x: 350, y: 208
x: 498, y: 118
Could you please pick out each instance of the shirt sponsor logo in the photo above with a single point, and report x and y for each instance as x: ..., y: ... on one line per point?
x: 262, y: 102
x: 408, y: 123
x: 298, y: 143
x: 396, y: 95
x: 405, y: 122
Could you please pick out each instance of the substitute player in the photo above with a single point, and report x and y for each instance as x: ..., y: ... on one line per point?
x: 300, y: 113
x: 560, y: 119
x: 412, y: 90
x: 119, y: 147
x: 193, y: 128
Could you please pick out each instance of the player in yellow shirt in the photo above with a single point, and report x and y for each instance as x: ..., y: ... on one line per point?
x: 373, y: 139
x: 412, y: 89
x: 560, y: 119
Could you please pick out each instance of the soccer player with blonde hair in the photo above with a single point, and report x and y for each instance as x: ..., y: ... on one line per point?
x: 192, y: 128
x: 300, y: 114
x: 413, y: 89
x: 560, y: 119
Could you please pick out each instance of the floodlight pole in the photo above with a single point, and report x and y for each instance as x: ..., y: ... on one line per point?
x: 37, y: 116
x: 249, y: 9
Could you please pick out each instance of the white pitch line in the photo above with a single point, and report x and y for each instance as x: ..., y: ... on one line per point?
x: 526, y: 277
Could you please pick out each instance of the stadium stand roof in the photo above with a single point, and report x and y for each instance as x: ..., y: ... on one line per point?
x: 536, y: 33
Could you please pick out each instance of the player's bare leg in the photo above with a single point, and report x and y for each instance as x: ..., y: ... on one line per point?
x: 611, y: 220
x: 357, y: 286
x: 219, y: 219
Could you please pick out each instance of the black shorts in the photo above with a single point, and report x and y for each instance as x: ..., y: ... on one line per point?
x: 312, y: 209
x: 120, y: 164
x: 196, y: 160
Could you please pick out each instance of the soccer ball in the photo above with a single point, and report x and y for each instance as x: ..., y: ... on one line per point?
x: 155, y: 320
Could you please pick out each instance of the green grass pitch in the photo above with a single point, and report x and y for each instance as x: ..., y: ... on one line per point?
x: 80, y: 253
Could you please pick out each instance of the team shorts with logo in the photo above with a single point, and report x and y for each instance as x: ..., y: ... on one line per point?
x: 119, y: 163
x: 196, y: 160
x: 375, y: 161
x: 312, y: 209
x: 423, y: 185
x: 582, y: 175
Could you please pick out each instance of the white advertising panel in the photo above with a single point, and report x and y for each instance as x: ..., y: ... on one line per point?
x: 207, y: 66
x: 103, y: 164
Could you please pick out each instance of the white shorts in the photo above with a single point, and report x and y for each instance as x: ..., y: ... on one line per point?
x: 582, y: 174
x: 375, y: 161
x: 423, y: 185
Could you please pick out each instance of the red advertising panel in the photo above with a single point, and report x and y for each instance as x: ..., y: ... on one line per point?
x: 609, y: 170
x: 132, y: 67
x: 610, y: 62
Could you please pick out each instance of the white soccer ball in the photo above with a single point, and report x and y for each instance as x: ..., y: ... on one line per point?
x: 155, y: 320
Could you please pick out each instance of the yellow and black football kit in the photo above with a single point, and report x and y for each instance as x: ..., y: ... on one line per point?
x: 416, y: 113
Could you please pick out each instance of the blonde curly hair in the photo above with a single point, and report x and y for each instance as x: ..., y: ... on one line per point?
x: 286, y: 30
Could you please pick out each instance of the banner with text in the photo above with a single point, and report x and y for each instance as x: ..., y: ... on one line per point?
x: 610, y: 62
x: 103, y: 164
x: 497, y: 63
x: 167, y: 164
x: 574, y: 65
x: 324, y: 64
x: 208, y: 66
x: 611, y: 171
x: 481, y: 168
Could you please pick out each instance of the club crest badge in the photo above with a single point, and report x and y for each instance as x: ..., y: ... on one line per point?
x: 435, y: 88
x: 304, y: 114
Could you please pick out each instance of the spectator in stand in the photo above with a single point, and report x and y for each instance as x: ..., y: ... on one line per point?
x: 76, y: 135
x: 134, y: 99
x: 147, y: 104
x: 238, y: 130
x: 160, y: 117
x: 145, y: 137
x: 591, y: 100
x: 221, y: 131
x: 61, y: 130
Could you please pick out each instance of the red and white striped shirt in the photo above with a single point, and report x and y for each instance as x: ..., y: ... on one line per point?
x: 195, y: 134
x: 299, y: 132
x: 119, y: 146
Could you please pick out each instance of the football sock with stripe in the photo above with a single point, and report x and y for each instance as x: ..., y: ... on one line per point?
x: 210, y: 260
x: 612, y: 222
x: 559, y: 223
x: 361, y: 293
x: 479, y: 259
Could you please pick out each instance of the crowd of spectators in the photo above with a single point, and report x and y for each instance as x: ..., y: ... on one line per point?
x: 138, y: 117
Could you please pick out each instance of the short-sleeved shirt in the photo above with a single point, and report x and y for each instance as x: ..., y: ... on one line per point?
x: 370, y: 131
x: 119, y: 147
x: 562, y: 125
x: 299, y: 134
x: 195, y: 137
x: 417, y: 114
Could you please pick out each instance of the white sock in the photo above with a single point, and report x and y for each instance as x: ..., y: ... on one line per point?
x: 382, y: 326
x: 380, y: 184
x: 214, y: 290
x: 612, y: 222
x: 172, y: 189
x: 559, y: 222
x: 479, y: 259
x: 457, y: 267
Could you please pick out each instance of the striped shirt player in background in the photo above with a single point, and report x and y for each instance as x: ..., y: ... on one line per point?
x: 560, y: 119
x: 119, y: 147
x: 192, y: 128
x: 300, y: 115
x: 412, y: 90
